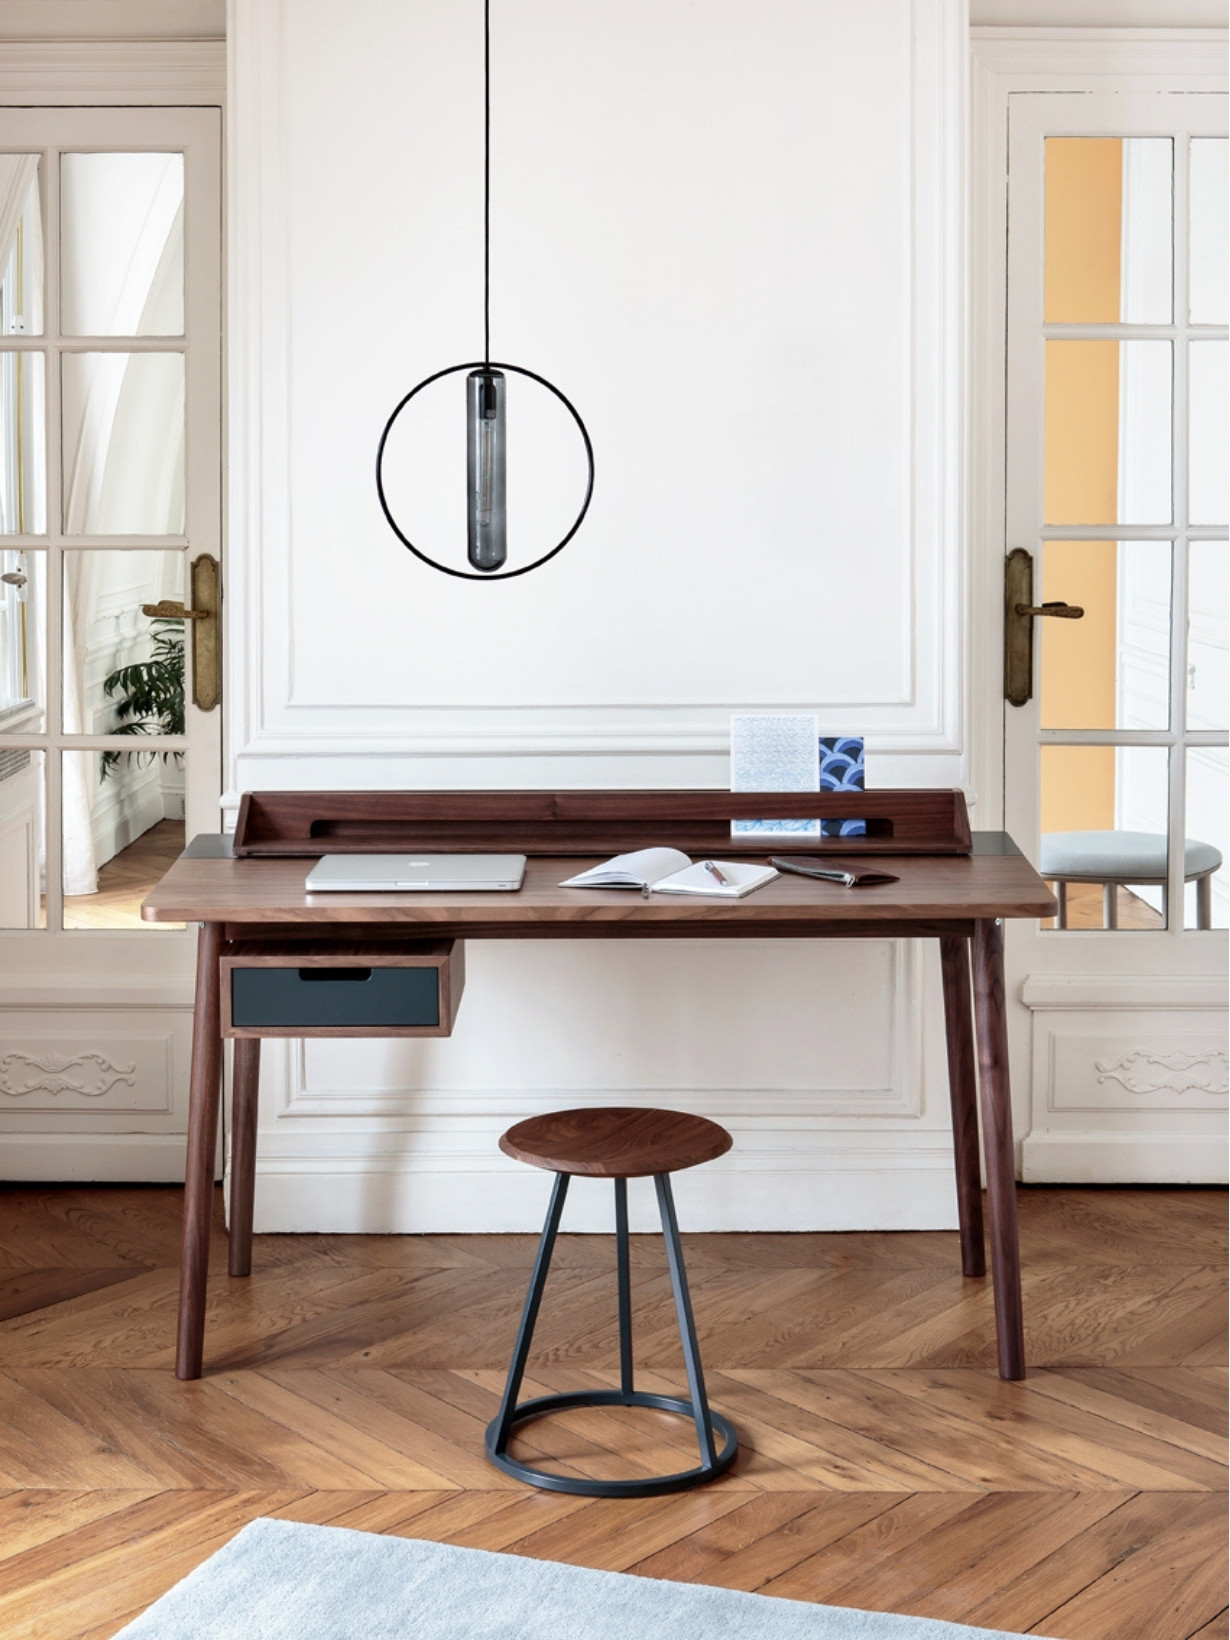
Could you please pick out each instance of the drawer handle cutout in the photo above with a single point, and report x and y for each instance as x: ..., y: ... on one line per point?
x: 335, y: 973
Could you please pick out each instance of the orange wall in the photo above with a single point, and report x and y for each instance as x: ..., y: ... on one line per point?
x: 1081, y: 474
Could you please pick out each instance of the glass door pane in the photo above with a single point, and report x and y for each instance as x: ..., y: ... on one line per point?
x: 1209, y: 275
x: 1208, y: 618
x: 23, y: 808
x: 1104, y: 834
x: 123, y: 826
x: 123, y: 441
x: 1110, y: 669
x: 1206, y: 898
x: 1108, y: 237
x: 23, y: 443
x: 1210, y: 433
x: 123, y: 669
x: 122, y: 244
x: 1108, y: 432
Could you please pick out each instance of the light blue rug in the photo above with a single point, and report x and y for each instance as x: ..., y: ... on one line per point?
x: 278, y: 1580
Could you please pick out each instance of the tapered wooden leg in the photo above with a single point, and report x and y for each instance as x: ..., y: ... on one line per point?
x: 1061, y: 894
x: 202, y: 1151
x: 962, y: 1089
x: 992, y: 1032
x: 246, y: 1080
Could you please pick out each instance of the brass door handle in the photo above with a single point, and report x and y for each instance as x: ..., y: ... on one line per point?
x: 206, y: 639
x: 168, y: 610
x: 1020, y: 613
x: 1064, y: 612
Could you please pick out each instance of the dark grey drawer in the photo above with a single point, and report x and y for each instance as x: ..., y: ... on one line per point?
x: 335, y: 996
x: 322, y: 988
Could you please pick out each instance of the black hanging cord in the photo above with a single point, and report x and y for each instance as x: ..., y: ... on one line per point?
x: 487, y: 182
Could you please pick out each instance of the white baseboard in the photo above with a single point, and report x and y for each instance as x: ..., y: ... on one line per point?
x: 870, y: 1193
x: 93, y: 1158
x: 1139, y: 1158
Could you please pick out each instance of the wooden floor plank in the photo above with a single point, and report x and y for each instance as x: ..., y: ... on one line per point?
x: 1112, y: 1400
x: 1166, y: 1590
x: 24, y: 1291
x: 322, y: 1419
x: 949, y: 1566
x: 32, y: 1517
x: 627, y: 1530
x: 869, y: 1544
x: 889, y: 1407
x: 1049, y: 1425
x: 1218, y: 1628
x: 1028, y: 1600
x: 764, y: 1515
x: 516, y: 1516
x: 111, y: 1576
x: 828, y: 1520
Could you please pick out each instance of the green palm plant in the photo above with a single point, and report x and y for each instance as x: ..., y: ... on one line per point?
x: 149, y: 695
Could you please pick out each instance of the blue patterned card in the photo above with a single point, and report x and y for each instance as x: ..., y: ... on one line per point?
x: 841, y: 770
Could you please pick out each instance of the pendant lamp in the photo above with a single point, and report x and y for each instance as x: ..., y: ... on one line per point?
x: 486, y: 412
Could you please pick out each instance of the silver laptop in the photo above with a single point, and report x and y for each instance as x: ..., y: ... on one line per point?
x: 360, y: 873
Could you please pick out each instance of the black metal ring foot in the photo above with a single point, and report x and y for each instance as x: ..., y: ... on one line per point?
x: 647, y: 1487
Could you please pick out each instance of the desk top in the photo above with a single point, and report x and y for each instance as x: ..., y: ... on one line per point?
x: 932, y: 895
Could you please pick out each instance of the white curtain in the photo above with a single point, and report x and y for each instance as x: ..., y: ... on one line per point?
x: 80, y: 868
x: 17, y: 174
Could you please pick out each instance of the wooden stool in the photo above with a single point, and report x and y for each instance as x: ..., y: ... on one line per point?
x: 617, y: 1143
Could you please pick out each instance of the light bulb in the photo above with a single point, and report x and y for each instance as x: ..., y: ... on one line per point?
x: 486, y: 523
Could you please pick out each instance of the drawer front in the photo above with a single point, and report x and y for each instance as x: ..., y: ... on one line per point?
x: 339, y: 998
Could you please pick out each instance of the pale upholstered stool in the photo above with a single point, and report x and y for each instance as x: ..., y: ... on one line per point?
x: 1115, y: 858
x: 612, y: 1142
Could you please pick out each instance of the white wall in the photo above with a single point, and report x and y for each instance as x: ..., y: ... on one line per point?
x: 731, y: 236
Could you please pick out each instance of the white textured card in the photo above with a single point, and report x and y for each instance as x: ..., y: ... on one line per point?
x: 774, y: 752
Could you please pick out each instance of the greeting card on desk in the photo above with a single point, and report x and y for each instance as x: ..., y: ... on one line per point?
x: 774, y: 752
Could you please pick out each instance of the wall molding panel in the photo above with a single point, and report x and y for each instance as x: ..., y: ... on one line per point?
x: 1127, y: 1087
x: 90, y: 1075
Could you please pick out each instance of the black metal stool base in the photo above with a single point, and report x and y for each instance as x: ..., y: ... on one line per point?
x: 710, y: 1426
x: 651, y: 1486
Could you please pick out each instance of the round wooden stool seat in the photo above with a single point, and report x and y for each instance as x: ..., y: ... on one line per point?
x: 615, y: 1141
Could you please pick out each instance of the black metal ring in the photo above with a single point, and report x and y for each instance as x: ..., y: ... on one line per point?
x: 483, y: 575
x: 651, y: 1485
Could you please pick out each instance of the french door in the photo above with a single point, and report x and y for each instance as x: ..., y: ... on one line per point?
x: 110, y: 541
x: 1115, y: 722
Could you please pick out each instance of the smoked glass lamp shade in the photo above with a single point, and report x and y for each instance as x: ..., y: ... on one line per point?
x: 486, y: 488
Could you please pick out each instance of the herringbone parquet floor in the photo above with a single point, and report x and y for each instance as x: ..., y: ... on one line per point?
x: 883, y: 1464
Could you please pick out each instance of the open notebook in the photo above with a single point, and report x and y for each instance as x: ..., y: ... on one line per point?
x: 668, y: 871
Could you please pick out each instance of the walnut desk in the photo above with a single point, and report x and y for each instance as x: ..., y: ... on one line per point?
x: 248, y: 905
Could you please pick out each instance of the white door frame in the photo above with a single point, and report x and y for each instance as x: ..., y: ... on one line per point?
x: 63, y: 995
x: 1004, y: 62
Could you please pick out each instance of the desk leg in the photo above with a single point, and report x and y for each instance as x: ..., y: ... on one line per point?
x: 962, y: 1088
x: 246, y: 1085
x: 202, y: 1150
x: 997, y: 1144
